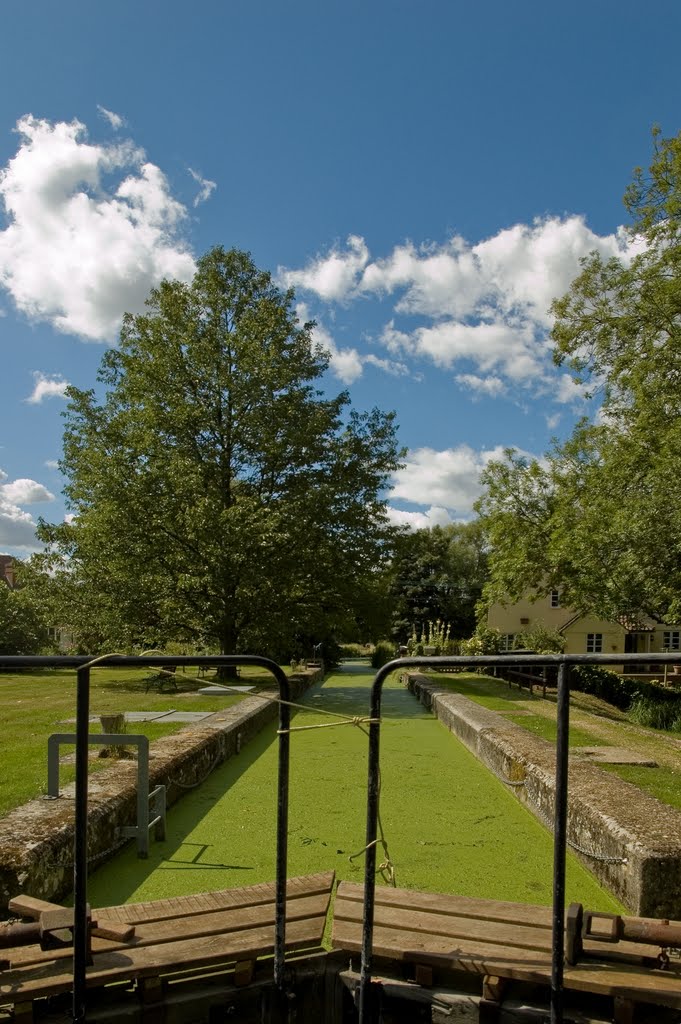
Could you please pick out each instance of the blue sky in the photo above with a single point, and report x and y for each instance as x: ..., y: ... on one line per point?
x: 426, y: 175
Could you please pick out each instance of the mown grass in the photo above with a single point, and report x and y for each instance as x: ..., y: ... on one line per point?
x: 35, y: 704
x: 496, y: 695
x: 661, y: 782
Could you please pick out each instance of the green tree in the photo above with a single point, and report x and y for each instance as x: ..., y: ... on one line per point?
x: 23, y: 629
x: 601, y: 515
x: 217, y: 495
x: 437, y: 574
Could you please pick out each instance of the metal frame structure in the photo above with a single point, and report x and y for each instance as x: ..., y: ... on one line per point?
x: 145, y: 798
x: 83, y: 664
x: 563, y: 663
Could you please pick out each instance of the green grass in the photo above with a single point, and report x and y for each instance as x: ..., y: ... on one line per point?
x: 547, y: 729
x: 35, y: 704
x: 496, y: 695
x: 450, y: 824
x: 663, y: 783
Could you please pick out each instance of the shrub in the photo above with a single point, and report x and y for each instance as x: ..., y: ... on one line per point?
x: 483, y: 641
x: 355, y: 650
x: 656, y: 715
x: 542, y: 640
x: 645, y: 703
x: 383, y: 651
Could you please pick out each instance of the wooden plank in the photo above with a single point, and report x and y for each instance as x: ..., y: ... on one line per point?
x: 418, y: 923
x: 32, y: 907
x: 521, y: 925
x: 35, y: 981
x: 458, y: 906
x: 437, y: 950
x: 185, y: 906
x: 610, y: 979
x: 222, y: 922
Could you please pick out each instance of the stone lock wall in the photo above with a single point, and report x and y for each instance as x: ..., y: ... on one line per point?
x: 632, y: 841
x: 36, y: 841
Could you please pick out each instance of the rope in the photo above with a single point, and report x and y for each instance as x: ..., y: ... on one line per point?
x: 357, y: 720
x: 386, y: 868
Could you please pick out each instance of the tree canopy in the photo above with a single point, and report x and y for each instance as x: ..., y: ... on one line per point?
x: 23, y: 628
x: 217, y: 495
x: 437, y: 574
x: 600, y: 516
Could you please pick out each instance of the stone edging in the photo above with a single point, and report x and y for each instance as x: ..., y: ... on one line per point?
x: 36, y: 844
x: 638, y: 837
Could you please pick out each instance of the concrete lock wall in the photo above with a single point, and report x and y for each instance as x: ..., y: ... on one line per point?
x: 36, y: 844
x: 628, y: 839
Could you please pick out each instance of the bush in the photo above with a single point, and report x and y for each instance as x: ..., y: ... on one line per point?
x: 645, y: 703
x: 665, y: 715
x: 383, y: 651
x: 355, y: 650
x: 541, y: 639
x: 483, y: 641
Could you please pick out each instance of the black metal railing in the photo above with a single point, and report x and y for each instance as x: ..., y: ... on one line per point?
x: 83, y: 665
x: 561, y: 662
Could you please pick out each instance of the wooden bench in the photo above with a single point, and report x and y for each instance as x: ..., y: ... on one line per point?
x: 495, y: 940
x: 177, y: 935
x: 162, y: 680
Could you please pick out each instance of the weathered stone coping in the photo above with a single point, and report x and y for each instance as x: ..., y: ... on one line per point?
x: 638, y: 837
x: 36, y: 840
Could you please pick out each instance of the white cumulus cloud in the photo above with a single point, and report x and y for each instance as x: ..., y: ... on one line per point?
x: 115, y: 120
x: 91, y: 229
x: 482, y: 307
x: 434, y: 516
x: 17, y: 526
x: 46, y: 386
x: 331, y: 277
x: 448, y: 479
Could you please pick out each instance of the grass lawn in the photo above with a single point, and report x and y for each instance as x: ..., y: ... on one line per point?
x: 497, y: 695
x: 661, y: 782
x: 34, y: 704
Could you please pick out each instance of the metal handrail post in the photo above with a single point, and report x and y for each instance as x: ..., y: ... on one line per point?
x: 560, y: 844
x: 80, y: 924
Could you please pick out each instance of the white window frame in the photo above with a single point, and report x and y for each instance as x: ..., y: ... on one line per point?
x: 594, y: 643
x: 671, y: 640
x: 507, y: 641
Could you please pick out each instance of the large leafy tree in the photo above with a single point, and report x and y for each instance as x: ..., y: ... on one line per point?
x: 601, y: 515
x: 437, y: 573
x: 217, y: 495
x: 23, y: 628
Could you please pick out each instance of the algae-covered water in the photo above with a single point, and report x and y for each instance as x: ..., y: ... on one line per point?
x: 450, y: 824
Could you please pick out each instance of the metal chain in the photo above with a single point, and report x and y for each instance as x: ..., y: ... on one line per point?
x: 119, y: 844
x: 602, y: 857
x: 193, y: 785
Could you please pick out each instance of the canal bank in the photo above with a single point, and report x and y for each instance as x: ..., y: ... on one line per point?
x: 450, y: 825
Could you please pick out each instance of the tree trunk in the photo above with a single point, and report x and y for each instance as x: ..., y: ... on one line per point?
x: 227, y: 673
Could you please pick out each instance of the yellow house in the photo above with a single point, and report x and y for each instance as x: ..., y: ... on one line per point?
x: 584, y: 634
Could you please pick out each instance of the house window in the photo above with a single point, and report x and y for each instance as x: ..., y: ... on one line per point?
x: 594, y: 643
x: 671, y: 640
x: 555, y: 599
x: 507, y: 641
